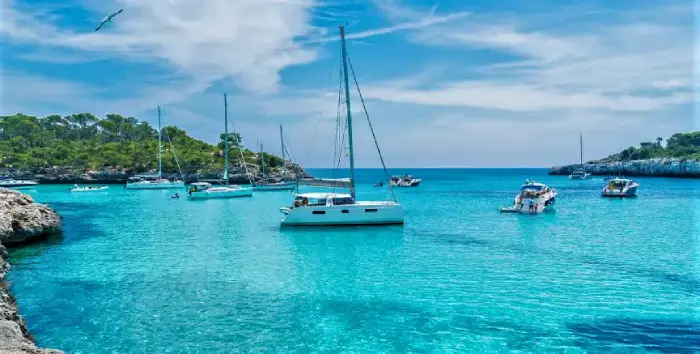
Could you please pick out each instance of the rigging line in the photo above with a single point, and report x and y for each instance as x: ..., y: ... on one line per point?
x: 381, y: 158
x: 177, y: 162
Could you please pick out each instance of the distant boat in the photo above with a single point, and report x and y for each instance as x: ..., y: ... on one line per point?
x: 405, y: 181
x: 8, y: 182
x: 274, y: 185
x: 205, y: 190
x: 580, y: 173
x: 151, y: 181
x: 324, y: 209
x: 77, y: 188
x: 620, y: 187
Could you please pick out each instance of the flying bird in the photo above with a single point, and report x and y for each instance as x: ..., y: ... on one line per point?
x: 108, y: 19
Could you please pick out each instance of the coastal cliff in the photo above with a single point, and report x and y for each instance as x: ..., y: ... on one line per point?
x: 21, y: 221
x: 680, y: 157
x: 657, y: 167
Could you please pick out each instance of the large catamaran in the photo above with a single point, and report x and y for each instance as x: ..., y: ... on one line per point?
x: 315, y: 209
x: 151, y: 181
x: 205, y: 190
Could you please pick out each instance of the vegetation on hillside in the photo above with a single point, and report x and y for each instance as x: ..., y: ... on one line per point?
x: 84, y: 141
x: 681, y: 145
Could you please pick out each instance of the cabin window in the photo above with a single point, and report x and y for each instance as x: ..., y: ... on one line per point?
x: 342, y: 201
x: 345, y: 211
x: 318, y: 212
x: 370, y: 210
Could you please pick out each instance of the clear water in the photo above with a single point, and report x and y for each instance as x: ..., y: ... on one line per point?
x: 138, y: 272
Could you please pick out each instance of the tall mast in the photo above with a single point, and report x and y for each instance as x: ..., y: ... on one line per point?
x: 160, y: 148
x: 284, y: 162
x: 347, y: 107
x: 226, y: 139
x: 580, y: 137
x: 262, y: 162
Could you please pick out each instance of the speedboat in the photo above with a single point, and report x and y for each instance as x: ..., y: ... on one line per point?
x: 620, y: 187
x: 205, y: 190
x: 8, y: 182
x: 533, y: 198
x: 404, y: 181
x: 579, y: 173
x: 77, y: 188
x: 152, y: 182
x: 333, y: 209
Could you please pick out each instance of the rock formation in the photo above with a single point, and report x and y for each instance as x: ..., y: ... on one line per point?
x: 659, y: 167
x: 21, y: 220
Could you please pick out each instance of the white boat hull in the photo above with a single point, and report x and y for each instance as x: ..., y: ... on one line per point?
x: 83, y: 189
x: 17, y: 183
x: 625, y: 192
x: 221, y: 192
x: 412, y: 183
x: 542, y: 204
x: 155, y: 185
x: 580, y: 177
x: 275, y: 187
x: 360, y: 213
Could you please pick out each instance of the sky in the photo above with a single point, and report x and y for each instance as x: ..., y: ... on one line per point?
x: 446, y: 83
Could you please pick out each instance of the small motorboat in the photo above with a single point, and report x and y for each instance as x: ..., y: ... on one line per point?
x: 404, y: 181
x: 77, y: 188
x: 579, y: 173
x: 204, y: 190
x: 534, y: 198
x: 8, y: 182
x: 620, y: 187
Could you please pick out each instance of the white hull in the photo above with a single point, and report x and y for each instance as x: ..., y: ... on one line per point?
x: 221, y: 192
x: 541, y: 204
x: 83, y: 189
x: 155, y: 185
x: 412, y: 183
x: 580, y: 177
x: 275, y: 187
x: 12, y: 183
x: 360, y: 213
x: 625, y: 192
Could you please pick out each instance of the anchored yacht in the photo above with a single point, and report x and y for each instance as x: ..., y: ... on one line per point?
x: 8, y: 182
x: 405, y: 181
x: 533, y: 198
x: 620, y: 187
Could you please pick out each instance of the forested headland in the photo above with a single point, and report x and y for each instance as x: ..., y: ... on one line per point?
x: 84, y: 142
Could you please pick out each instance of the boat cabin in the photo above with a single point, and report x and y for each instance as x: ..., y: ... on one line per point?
x: 199, y: 187
x: 533, y: 190
x: 322, y: 199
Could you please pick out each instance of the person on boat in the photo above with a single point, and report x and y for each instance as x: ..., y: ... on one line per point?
x: 532, y: 206
x: 297, y: 203
x: 175, y: 196
x: 305, y: 202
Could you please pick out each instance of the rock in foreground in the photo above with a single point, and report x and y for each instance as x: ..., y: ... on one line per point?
x: 22, y: 220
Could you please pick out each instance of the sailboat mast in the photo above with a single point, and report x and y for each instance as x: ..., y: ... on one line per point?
x: 347, y: 107
x: 160, y: 148
x: 226, y: 139
x: 262, y: 162
x: 580, y: 137
x: 284, y: 161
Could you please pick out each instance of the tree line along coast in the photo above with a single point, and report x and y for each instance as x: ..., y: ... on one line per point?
x: 678, y: 157
x: 84, y: 147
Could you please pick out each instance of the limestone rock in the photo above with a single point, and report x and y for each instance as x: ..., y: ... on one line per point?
x: 22, y: 220
x: 658, y: 167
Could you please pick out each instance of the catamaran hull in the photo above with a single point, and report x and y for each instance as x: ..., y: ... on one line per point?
x: 344, y: 215
x: 159, y: 185
x: 236, y: 193
x: 275, y: 187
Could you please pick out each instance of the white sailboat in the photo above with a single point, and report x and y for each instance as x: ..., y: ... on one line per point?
x: 282, y: 185
x: 580, y: 173
x: 319, y: 209
x: 149, y: 181
x: 205, y: 190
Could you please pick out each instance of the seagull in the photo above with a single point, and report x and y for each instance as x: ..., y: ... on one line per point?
x: 108, y: 19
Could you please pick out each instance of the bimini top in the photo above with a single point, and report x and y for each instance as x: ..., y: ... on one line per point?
x: 322, y: 195
x: 532, y: 185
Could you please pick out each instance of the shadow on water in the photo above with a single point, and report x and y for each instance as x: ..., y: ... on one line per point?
x: 666, y: 336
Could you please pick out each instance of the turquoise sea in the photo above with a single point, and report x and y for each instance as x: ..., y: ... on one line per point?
x: 139, y: 272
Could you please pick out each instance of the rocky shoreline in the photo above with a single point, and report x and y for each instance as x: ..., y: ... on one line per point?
x: 21, y: 221
x: 661, y: 167
x: 68, y: 175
